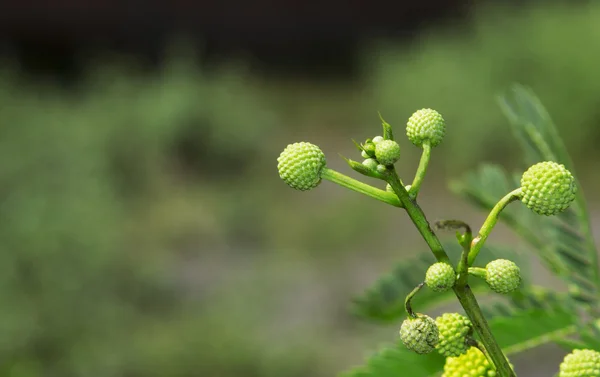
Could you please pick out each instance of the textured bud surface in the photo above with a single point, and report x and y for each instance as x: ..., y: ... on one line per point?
x: 453, y: 329
x: 471, y: 364
x: 426, y: 125
x: 548, y: 188
x: 502, y: 275
x: 387, y: 152
x: 581, y: 363
x: 300, y: 165
x: 440, y: 277
x: 371, y: 163
x: 419, y: 334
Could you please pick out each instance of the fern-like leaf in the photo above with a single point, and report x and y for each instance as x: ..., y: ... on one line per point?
x: 569, y: 232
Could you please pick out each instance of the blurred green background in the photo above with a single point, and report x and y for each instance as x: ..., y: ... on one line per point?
x: 145, y: 231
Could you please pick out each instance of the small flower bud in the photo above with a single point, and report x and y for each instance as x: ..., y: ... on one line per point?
x: 426, y: 125
x: 381, y: 168
x: 581, y: 363
x: 419, y: 334
x: 387, y: 152
x: 503, y: 276
x: 548, y: 188
x: 453, y: 328
x: 300, y: 165
x: 371, y: 163
x: 377, y: 139
x: 473, y: 363
x: 440, y: 277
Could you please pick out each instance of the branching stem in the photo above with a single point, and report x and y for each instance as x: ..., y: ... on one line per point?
x: 360, y: 187
x: 463, y: 293
x: 490, y: 222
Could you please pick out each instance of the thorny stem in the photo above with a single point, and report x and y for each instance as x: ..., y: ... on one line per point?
x: 360, y: 187
x: 490, y: 222
x: 421, y: 170
x: 463, y: 293
x: 407, y: 301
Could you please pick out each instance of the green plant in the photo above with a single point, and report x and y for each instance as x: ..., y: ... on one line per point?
x: 554, y: 223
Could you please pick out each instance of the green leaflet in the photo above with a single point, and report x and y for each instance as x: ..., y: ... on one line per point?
x: 570, y: 231
x: 384, y: 301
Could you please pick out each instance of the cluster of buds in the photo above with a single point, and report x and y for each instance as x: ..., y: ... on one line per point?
x: 547, y: 188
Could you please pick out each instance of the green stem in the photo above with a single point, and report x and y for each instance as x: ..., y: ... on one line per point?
x: 478, y: 272
x: 463, y: 293
x: 421, y: 170
x: 490, y: 222
x: 360, y: 187
x: 407, y: 301
x: 418, y: 217
x: 494, y: 352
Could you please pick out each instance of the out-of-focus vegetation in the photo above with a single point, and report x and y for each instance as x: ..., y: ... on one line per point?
x: 145, y: 231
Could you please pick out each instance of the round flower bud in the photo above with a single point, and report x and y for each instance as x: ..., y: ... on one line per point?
x: 371, y: 163
x: 473, y: 363
x: 503, y: 276
x: 377, y: 139
x: 440, y: 277
x: 426, y: 125
x: 300, y: 165
x: 387, y: 152
x: 453, y: 328
x: 548, y: 188
x: 381, y: 168
x: 581, y: 363
x: 419, y: 334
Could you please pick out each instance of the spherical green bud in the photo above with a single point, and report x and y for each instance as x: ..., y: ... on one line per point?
x: 548, y: 188
x: 387, y: 152
x: 440, y: 277
x: 419, y: 334
x: 377, y: 139
x: 503, y: 276
x: 426, y: 125
x: 381, y: 168
x: 371, y: 163
x: 300, y: 165
x: 581, y: 363
x: 453, y: 328
x: 473, y: 363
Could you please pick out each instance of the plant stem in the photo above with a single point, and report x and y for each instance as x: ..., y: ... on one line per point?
x: 469, y: 303
x: 418, y: 217
x: 490, y: 222
x: 478, y: 272
x: 463, y: 293
x: 408, y: 299
x: 360, y: 187
x: 421, y: 170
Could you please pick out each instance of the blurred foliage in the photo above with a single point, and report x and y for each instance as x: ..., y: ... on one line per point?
x: 459, y: 69
x: 145, y: 232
